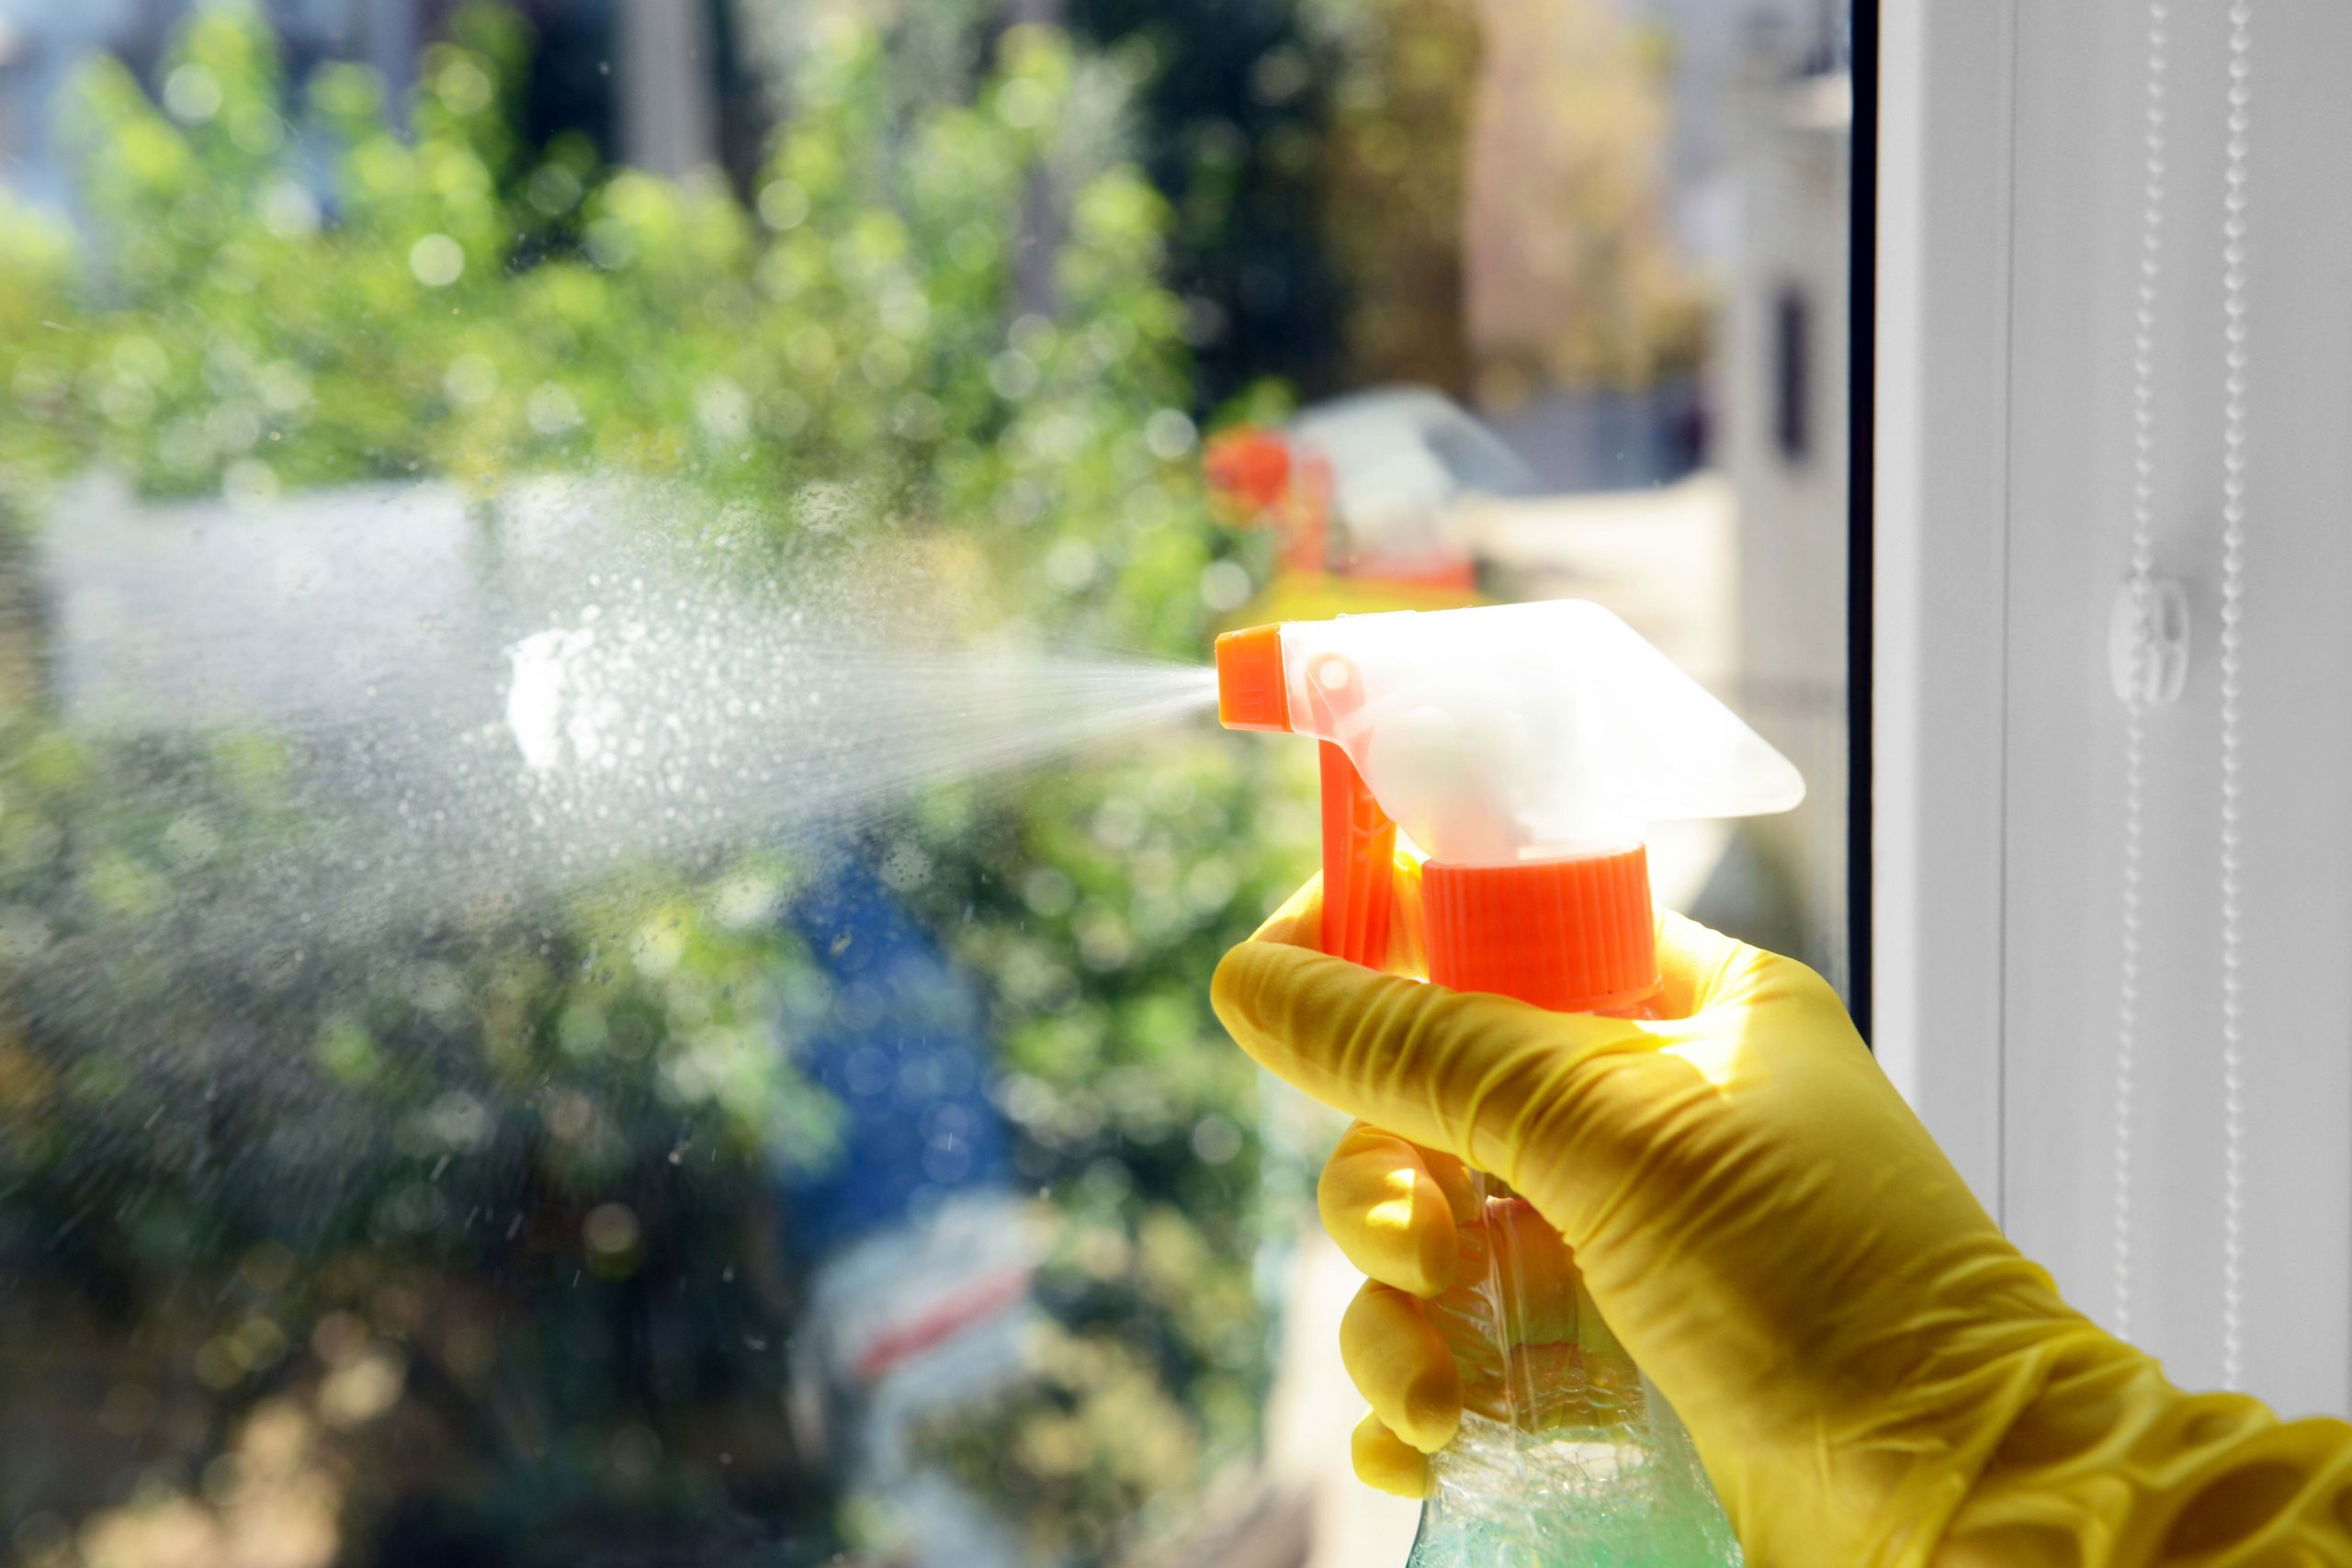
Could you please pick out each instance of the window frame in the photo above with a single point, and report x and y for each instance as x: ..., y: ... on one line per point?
x: 1939, y: 531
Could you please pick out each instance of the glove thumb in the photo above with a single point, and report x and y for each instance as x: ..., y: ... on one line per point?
x: 1466, y: 1074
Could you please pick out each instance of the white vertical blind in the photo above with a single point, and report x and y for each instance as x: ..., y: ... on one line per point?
x: 2147, y: 318
x: 2009, y: 666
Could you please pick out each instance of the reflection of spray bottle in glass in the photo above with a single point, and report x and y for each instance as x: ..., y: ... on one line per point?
x: 1525, y: 748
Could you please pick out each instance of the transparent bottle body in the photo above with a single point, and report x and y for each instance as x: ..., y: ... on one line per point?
x: 1567, y: 1456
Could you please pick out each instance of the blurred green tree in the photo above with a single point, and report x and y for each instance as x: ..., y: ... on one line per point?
x: 1393, y: 187
x: 1236, y: 120
x: 456, y: 302
x: 1572, y: 274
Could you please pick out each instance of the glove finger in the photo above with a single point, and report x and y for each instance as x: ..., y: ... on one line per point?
x: 1401, y: 1367
x: 1386, y: 1462
x: 1299, y: 921
x: 1695, y: 964
x: 1393, y: 1207
x: 1451, y: 1072
x: 1703, y: 969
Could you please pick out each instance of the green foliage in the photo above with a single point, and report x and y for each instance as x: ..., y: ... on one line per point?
x: 849, y: 329
x: 1237, y: 121
x: 1096, y: 925
x: 1085, y: 1445
x: 554, y: 1111
x: 1395, y: 186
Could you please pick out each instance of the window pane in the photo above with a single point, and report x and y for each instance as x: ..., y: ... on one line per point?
x: 610, y: 845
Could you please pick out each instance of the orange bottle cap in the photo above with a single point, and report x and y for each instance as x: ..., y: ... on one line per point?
x: 1250, y: 691
x: 1570, y: 935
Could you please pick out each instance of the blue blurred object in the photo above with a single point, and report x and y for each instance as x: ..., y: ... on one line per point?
x: 916, y: 1266
x: 901, y: 1043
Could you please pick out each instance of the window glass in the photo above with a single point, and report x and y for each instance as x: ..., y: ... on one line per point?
x: 610, y: 840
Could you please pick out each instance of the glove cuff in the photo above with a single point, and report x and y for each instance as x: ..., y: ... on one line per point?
x: 2112, y: 1465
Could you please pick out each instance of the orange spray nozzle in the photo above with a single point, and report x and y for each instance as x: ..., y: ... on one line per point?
x: 1359, y: 839
x: 1250, y: 691
x: 1526, y: 748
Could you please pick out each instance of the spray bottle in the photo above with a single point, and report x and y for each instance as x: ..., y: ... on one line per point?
x: 1525, y: 748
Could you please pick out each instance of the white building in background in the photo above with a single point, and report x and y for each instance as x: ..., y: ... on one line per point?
x: 1780, y: 397
x: 1713, y: 45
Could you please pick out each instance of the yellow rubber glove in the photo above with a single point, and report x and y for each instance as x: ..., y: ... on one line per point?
x: 1871, y: 1373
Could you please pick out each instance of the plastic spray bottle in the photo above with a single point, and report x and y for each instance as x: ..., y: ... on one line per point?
x: 1525, y: 749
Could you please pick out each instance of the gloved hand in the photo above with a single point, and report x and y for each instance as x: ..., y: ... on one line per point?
x: 1871, y: 1373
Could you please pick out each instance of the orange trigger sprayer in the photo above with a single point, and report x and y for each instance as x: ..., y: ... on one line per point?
x: 1525, y: 748
x: 1359, y: 838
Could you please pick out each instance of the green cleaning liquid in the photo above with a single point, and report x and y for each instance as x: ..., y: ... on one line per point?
x: 1567, y: 1456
